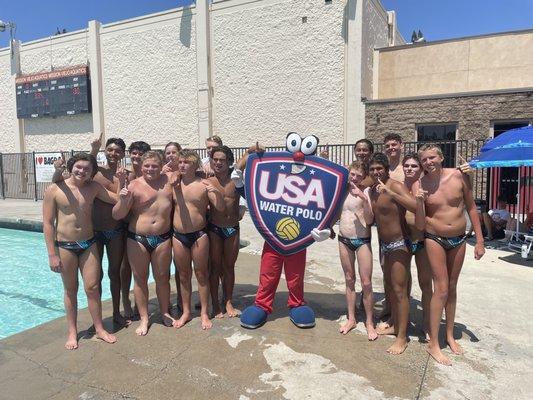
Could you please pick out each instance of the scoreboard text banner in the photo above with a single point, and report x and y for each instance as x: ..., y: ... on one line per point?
x: 54, y: 93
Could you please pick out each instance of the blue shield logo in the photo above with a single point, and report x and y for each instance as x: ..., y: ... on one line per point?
x: 287, y: 199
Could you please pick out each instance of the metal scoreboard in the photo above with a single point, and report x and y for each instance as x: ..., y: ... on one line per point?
x: 51, y: 94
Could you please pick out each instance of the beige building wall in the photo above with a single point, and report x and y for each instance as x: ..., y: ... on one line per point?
x: 484, y: 63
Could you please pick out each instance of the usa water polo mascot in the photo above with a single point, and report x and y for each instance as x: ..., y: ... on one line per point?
x: 293, y: 197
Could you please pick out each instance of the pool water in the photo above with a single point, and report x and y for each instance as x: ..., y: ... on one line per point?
x: 30, y: 293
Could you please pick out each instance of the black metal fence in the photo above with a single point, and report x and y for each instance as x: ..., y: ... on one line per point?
x: 18, y: 178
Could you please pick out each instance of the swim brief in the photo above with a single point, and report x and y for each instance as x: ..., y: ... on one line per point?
x: 189, y: 239
x: 150, y: 242
x: 225, y: 232
x: 447, y: 243
x: 77, y: 247
x: 353, y: 243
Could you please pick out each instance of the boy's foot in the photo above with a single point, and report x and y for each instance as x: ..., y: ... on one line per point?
x: 142, y: 330
x: 168, y: 321
x: 72, y: 341
x: 232, y: 312
x: 384, y: 328
x: 371, y: 331
x: 182, y: 321
x: 436, y: 353
x: 206, y: 322
x: 120, y: 320
x: 398, y: 347
x: 106, y: 336
x: 455, y: 347
x: 348, y: 326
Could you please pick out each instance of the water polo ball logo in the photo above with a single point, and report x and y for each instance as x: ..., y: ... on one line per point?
x: 287, y: 228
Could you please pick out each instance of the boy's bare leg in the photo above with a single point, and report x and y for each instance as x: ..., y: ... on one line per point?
x: 438, y: 300
x: 426, y: 286
x: 69, y: 275
x: 364, y: 260
x: 161, y: 258
x: 454, y: 259
x: 179, y: 305
x: 231, y: 252
x: 115, y: 253
x: 89, y: 264
x: 140, y: 262
x: 182, y: 259
x: 399, y: 262
x: 387, y: 328
x: 200, y: 256
x: 347, y: 258
x: 386, y: 312
x: 125, y: 283
x: 216, y: 248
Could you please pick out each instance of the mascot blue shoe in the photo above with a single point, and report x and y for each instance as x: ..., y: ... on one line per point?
x: 253, y: 317
x: 302, y: 316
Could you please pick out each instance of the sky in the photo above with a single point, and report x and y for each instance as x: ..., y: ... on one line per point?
x: 437, y: 19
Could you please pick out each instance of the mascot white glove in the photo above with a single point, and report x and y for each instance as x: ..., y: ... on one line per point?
x: 237, y: 178
x: 320, y: 235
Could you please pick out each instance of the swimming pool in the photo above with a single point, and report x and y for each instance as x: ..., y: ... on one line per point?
x: 30, y: 293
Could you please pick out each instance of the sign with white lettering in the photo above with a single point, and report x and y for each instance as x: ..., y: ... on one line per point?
x: 44, y: 166
x: 287, y: 199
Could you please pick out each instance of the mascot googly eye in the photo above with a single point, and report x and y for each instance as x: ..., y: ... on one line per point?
x: 293, y: 142
x: 309, y: 145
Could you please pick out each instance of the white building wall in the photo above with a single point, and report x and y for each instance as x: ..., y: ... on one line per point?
x: 273, y: 74
x: 375, y: 35
x: 8, y: 109
x: 149, y: 79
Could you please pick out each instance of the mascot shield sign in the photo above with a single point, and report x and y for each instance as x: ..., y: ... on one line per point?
x: 288, y: 198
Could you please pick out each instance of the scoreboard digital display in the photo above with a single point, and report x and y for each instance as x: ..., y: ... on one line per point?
x: 48, y: 94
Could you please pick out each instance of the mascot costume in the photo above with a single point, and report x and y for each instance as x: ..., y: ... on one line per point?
x: 293, y: 197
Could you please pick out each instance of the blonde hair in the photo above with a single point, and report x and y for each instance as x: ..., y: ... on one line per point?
x: 156, y: 155
x: 360, y: 166
x: 430, y: 146
x: 192, y: 155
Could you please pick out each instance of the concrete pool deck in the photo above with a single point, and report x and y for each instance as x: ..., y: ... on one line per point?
x: 280, y: 361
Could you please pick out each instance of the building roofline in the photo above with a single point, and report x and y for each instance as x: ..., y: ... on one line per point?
x: 450, y: 95
x: 459, y: 39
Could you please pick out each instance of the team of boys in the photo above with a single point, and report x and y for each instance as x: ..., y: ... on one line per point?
x: 174, y: 204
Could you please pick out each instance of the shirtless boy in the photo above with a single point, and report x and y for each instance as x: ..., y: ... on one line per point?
x: 449, y: 193
x: 389, y: 199
x: 393, y: 145
x: 150, y: 200
x: 362, y: 151
x: 206, y: 163
x: 354, y: 240
x: 192, y: 196
x: 109, y: 232
x: 412, y: 169
x: 70, y: 241
x: 136, y: 151
x: 223, y: 230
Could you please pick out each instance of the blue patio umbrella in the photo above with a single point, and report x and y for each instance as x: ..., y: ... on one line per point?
x: 513, y: 148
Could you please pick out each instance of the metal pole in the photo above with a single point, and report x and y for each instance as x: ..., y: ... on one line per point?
x: 34, y: 177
